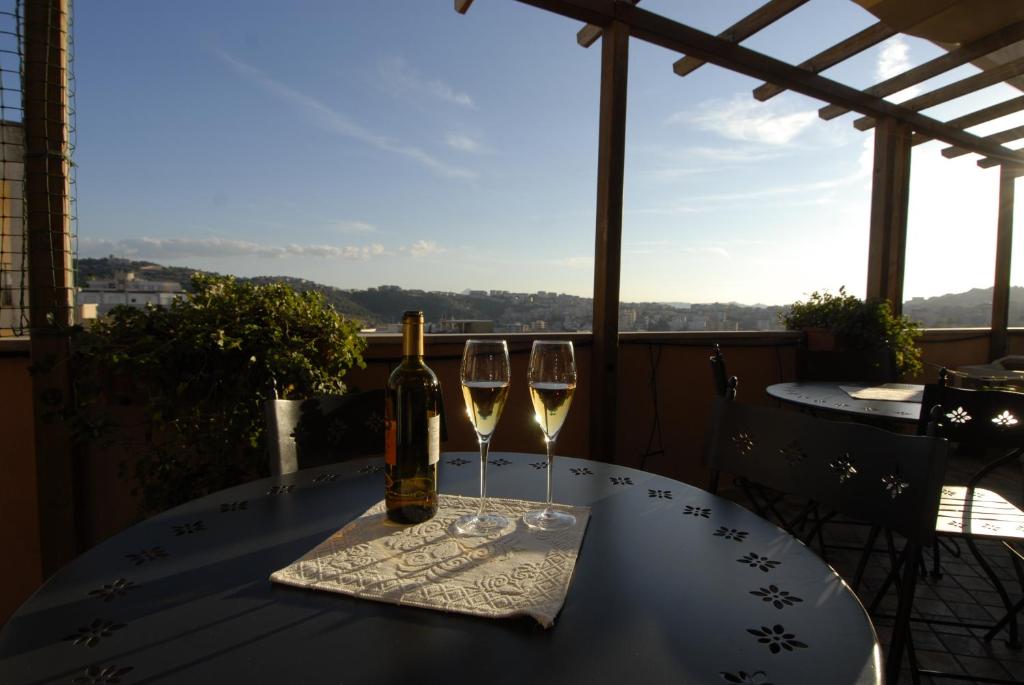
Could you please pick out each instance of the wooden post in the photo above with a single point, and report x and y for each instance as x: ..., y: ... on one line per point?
x: 890, y: 193
x: 1004, y: 244
x: 50, y: 279
x: 611, y: 156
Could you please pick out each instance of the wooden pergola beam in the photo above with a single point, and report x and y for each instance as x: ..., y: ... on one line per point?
x: 462, y: 6
x: 50, y: 278
x: 995, y: 111
x: 860, y: 41
x: 764, y: 16
x: 941, y: 64
x: 954, y: 90
x: 989, y: 162
x: 611, y: 162
x: 1004, y: 246
x: 890, y: 195
x: 1006, y: 136
x: 589, y: 34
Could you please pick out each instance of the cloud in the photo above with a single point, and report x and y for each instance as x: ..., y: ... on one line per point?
x: 336, y: 122
x: 401, y: 80
x: 893, y: 60
x: 463, y: 143
x: 423, y: 248
x: 735, y: 154
x: 747, y: 120
x: 574, y: 262
x: 353, y: 227
x: 184, y: 248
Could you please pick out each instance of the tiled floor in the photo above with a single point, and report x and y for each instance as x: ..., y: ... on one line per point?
x: 962, y: 592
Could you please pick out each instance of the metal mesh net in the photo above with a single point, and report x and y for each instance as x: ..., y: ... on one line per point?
x: 57, y: 257
x: 13, y: 245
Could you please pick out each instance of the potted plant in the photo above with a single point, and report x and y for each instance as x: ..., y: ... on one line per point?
x: 865, y: 326
x: 200, y: 371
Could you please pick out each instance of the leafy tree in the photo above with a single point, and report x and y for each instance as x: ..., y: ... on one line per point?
x: 204, y: 366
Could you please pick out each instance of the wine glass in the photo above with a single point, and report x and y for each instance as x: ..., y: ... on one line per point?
x: 552, y: 380
x: 485, y: 374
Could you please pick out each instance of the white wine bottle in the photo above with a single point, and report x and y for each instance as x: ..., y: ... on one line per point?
x: 412, y: 444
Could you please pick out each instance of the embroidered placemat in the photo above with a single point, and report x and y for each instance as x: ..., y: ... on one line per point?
x: 514, y: 572
x: 893, y: 392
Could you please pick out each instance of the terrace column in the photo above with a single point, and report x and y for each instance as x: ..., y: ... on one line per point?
x: 50, y: 278
x: 890, y: 193
x: 611, y: 156
x: 1004, y: 244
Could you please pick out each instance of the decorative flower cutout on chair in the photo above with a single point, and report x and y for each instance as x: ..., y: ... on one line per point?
x: 959, y: 415
x: 844, y: 467
x: 744, y: 443
x: 894, y: 485
x: 778, y: 598
x: 792, y: 453
x: 1005, y: 420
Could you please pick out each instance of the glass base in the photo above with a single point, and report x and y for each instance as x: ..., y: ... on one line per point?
x: 549, y: 519
x: 482, y: 524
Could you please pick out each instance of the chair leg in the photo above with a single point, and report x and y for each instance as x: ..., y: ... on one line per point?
x: 1011, y: 614
x: 936, y: 554
x: 901, y: 629
x: 865, y: 557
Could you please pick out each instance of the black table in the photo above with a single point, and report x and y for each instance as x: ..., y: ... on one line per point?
x: 672, y: 585
x: 829, y: 396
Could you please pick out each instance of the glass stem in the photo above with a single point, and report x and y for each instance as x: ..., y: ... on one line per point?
x: 550, y: 444
x: 484, y: 447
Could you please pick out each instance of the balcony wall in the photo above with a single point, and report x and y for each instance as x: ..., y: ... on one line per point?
x: 664, y: 395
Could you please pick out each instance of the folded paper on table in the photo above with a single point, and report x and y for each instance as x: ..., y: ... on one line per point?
x: 514, y: 572
x: 893, y: 392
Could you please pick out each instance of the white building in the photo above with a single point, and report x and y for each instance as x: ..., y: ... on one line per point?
x: 125, y: 289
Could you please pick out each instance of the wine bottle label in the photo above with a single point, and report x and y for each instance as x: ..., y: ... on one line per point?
x: 390, y: 442
x: 434, y: 439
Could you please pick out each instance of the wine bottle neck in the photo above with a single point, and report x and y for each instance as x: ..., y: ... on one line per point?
x: 412, y: 337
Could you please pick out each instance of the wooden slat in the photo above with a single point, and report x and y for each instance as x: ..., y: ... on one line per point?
x: 462, y: 6
x: 956, y: 89
x: 1006, y: 136
x: 890, y: 194
x: 763, y: 16
x: 672, y: 35
x: 939, y: 65
x: 611, y: 159
x: 1004, y: 246
x: 989, y: 162
x: 995, y: 111
x: 872, y: 35
x: 589, y: 34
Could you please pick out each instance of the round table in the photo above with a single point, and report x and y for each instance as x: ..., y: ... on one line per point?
x: 672, y: 585
x: 829, y: 396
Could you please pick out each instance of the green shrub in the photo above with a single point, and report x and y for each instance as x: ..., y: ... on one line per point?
x: 859, y: 325
x: 203, y: 368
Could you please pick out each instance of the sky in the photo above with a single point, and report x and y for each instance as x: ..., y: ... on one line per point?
x: 374, y: 142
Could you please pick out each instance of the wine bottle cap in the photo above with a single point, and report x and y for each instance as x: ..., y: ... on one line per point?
x: 412, y: 334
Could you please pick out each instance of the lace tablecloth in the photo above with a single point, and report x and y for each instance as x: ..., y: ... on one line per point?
x: 514, y: 572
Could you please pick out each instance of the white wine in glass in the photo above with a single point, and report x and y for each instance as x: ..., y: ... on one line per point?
x: 552, y: 380
x: 485, y: 375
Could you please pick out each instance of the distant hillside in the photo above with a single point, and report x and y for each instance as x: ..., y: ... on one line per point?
x: 105, y: 268
x: 972, y: 308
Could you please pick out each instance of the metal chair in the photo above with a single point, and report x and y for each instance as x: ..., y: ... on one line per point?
x: 322, y: 430
x: 862, y: 472
x: 982, y: 422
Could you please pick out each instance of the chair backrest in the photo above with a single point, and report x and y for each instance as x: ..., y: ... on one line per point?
x: 864, y: 472
x: 723, y: 387
x: 322, y: 430
x: 978, y: 418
